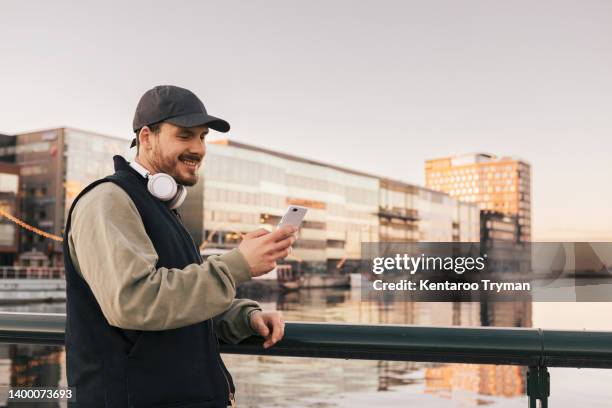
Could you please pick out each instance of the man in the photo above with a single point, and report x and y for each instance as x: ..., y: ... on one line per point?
x: 144, y: 311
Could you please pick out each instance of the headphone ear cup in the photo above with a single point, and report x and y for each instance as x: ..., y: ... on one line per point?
x: 162, y: 186
x: 178, y: 199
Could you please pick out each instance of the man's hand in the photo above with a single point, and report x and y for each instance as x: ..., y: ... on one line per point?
x: 262, y: 249
x: 269, y: 325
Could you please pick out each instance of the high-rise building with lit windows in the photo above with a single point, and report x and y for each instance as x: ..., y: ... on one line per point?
x: 501, y: 184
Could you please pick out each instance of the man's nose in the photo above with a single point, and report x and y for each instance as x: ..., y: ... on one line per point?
x: 198, y: 148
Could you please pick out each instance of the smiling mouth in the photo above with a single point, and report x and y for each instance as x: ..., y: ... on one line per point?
x: 190, y: 163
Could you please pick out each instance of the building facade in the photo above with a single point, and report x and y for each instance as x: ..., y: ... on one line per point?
x: 55, y: 165
x: 244, y: 186
x: 241, y: 188
x: 410, y: 213
x: 9, y: 203
x: 499, y: 184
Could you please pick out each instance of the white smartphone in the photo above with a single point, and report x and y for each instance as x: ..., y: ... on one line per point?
x: 293, y: 216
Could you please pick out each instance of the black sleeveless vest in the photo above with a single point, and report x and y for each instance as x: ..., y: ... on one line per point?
x: 114, y: 367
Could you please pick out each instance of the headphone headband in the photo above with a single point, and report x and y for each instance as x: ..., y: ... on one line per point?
x: 140, y: 169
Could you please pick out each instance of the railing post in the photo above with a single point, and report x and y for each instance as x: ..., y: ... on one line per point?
x: 538, y: 386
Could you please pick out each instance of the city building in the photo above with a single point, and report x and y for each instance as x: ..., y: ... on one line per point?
x: 245, y: 186
x: 410, y: 213
x: 55, y: 165
x: 241, y: 188
x: 497, y: 227
x: 9, y: 203
x: 501, y: 184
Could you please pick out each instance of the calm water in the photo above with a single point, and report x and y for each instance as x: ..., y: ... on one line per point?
x: 301, y: 382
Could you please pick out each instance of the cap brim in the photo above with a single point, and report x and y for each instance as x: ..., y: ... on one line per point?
x: 200, y: 119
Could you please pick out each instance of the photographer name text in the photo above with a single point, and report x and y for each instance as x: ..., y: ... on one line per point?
x: 426, y: 285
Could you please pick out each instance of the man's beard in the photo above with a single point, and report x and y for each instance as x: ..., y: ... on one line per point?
x: 169, y: 165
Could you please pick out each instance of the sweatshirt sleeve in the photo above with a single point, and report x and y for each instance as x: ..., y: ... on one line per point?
x: 113, y: 253
x: 233, y: 325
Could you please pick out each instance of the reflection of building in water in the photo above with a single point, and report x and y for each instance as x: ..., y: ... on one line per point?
x: 55, y: 165
x: 440, y: 379
x: 396, y: 373
x: 333, y: 305
x: 485, y: 379
x: 497, y: 184
x: 508, y: 258
x: 347, y: 306
x: 35, y: 366
x: 506, y: 314
x: 30, y: 366
x: 5, y: 373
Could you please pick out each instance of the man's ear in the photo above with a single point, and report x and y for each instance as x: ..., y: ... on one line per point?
x: 144, y: 138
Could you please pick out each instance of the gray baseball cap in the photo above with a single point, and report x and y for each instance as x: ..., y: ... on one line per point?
x: 172, y: 104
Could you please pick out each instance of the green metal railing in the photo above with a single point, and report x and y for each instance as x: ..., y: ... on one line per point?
x: 536, y: 348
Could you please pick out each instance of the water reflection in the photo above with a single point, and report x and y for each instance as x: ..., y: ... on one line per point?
x: 25, y: 365
x: 30, y: 366
x: 264, y: 381
x: 320, y: 382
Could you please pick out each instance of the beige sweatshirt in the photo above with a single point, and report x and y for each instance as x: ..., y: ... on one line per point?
x: 111, y: 250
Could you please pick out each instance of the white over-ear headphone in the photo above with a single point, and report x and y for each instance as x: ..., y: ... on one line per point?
x: 163, y: 186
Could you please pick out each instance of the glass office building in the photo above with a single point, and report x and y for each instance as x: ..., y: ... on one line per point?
x: 244, y: 186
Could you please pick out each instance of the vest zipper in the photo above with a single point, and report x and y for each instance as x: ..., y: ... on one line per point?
x: 180, y: 222
x: 231, y: 396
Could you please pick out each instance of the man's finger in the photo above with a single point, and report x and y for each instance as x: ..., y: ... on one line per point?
x: 282, y: 254
x: 280, y: 245
x: 282, y: 329
x: 281, y: 233
x: 257, y: 233
x: 276, y: 332
x: 268, y: 342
